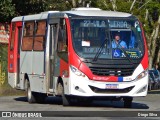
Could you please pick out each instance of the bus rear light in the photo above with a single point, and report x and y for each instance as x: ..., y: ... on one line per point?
x: 76, y: 71
x: 142, y: 75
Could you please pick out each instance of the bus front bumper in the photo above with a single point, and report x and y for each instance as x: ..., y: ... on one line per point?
x: 83, y: 86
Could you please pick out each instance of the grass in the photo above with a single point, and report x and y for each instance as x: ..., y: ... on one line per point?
x: 6, y: 90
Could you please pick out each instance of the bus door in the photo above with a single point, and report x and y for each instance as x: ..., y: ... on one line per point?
x: 14, y: 51
x: 53, y: 62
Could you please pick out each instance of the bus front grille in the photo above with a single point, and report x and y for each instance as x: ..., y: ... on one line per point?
x: 111, y: 91
x: 112, y: 71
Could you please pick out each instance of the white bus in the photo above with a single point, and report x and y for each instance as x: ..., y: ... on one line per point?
x: 70, y: 54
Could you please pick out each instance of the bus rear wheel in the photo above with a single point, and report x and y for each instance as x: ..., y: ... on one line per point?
x: 31, y: 96
x: 34, y: 97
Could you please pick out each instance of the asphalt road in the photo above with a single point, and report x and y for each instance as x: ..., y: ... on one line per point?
x: 142, y: 107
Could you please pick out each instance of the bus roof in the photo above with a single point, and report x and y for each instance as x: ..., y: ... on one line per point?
x: 42, y: 15
x: 96, y: 12
x: 17, y: 19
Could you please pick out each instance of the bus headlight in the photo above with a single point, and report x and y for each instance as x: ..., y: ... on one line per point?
x: 142, y: 74
x: 76, y: 71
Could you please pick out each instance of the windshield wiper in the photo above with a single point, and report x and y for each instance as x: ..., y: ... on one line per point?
x: 99, y: 50
x: 125, y: 53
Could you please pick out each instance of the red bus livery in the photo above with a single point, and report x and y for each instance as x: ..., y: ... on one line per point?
x: 80, y: 55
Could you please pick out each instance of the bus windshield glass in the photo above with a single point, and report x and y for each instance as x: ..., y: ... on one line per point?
x: 107, y: 38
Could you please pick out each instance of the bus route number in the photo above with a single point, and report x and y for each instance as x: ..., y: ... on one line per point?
x: 95, y: 23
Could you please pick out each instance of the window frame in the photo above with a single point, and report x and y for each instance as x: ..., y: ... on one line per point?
x: 34, y: 36
x: 39, y: 35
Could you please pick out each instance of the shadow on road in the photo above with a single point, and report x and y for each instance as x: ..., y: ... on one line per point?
x: 49, y: 100
x: 22, y: 99
x: 98, y: 103
x: 120, y: 104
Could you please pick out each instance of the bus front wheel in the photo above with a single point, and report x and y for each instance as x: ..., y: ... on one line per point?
x: 65, y: 99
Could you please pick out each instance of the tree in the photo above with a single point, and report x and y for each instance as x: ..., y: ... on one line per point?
x: 153, y: 33
x: 25, y: 7
x: 7, y: 10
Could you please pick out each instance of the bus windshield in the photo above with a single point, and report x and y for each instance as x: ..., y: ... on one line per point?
x: 97, y: 38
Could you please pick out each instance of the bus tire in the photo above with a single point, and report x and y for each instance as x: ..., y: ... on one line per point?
x: 31, y: 96
x: 65, y: 99
x: 127, y: 102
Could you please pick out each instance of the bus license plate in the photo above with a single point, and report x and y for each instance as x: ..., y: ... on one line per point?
x: 111, y: 86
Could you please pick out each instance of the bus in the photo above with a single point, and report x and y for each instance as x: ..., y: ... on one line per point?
x: 70, y: 54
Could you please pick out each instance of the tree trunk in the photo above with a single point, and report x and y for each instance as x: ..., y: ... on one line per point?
x: 113, y: 4
x: 132, y: 5
x: 153, y: 41
x: 158, y: 57
x: 147, y: 13
x: 74, y: 3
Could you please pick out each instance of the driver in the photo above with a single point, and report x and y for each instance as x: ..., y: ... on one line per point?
x: 118, y: 43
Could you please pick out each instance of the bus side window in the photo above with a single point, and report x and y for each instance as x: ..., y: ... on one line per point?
x: 62, y: 39
x: 39, y: 39
x: 39, y: 43
x: 27, y: 41
x: 62, y: 46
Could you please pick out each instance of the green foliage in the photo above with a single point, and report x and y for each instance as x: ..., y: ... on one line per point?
x: 154, y: 11
x: 3, y: 63
x: 59, y: 5
x: 7, y: 10
x: 123, y: 6
x: 25, y: 7
x: 103, y: 4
